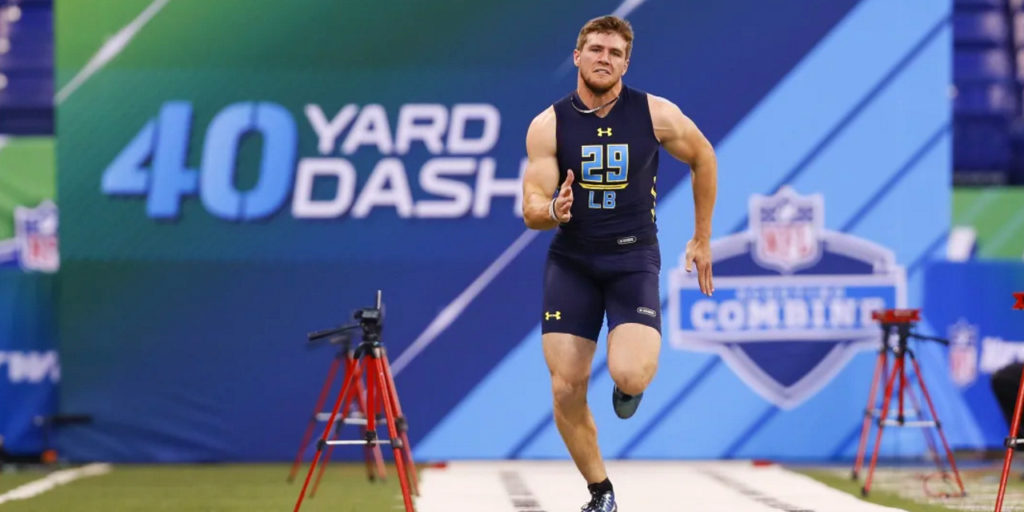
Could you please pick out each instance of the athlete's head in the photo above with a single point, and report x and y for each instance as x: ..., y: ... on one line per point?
x: 602, y: 52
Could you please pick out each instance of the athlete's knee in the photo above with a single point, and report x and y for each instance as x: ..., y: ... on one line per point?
x: 569, y: 392
x: 633, y: 379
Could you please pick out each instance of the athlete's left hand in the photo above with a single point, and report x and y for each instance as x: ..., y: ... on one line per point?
x: 699, y: 251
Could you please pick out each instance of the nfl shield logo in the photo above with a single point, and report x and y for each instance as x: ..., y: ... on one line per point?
x: 963, y: 353
x: 788, y: 229
x: 792, y: 301
x: 35, y: 230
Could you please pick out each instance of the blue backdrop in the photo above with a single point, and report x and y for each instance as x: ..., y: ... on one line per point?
x: 29, y: 367
x: 253, y: 189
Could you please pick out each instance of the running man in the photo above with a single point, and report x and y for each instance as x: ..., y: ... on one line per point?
x: 601, y: 144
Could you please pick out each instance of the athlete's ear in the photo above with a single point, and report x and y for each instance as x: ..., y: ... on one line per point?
x: 576, y: 57
x: 625, y: 68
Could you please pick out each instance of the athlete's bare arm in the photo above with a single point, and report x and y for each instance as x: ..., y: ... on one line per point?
x: 683, y: 140
x: 541, y: 177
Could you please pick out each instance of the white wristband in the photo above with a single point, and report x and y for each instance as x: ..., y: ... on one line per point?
x: 551, y: 211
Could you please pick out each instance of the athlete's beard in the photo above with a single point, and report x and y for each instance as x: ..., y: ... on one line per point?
x: 597, y: 89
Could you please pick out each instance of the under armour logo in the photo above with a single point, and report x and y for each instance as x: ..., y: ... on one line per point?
x: 557, y: 315
x: 1020, y: 300
x: 601, y: 132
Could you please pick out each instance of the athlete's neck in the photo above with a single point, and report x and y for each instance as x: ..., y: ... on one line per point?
x: 592, y: 99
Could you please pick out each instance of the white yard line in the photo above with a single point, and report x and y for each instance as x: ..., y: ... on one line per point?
x: 51, y: 481
x: 555, y: 486
x: 110, y: 49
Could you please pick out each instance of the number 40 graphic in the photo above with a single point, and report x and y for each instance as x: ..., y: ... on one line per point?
x: 153, y: 164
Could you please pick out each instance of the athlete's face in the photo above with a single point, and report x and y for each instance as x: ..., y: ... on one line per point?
x: 602, y: 61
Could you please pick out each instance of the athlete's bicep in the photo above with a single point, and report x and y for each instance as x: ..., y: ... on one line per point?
x: 541, y: 175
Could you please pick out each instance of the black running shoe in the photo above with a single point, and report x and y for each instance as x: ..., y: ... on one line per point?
x: 625, y: 405
x: 601, y: 502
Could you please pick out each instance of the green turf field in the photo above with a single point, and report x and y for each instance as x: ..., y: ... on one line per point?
x: 257, y: 487
x: 213, y: 487
x: 997, y: 215
x: 27, y: 175
x: 905, y: 487
x: 11, y: 478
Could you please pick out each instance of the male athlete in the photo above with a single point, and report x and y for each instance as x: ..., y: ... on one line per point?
x: 601, y: 143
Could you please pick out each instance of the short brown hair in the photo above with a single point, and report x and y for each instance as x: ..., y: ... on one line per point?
x: 607, y: 24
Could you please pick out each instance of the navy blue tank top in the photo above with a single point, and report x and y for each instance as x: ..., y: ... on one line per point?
x: 615, y: 162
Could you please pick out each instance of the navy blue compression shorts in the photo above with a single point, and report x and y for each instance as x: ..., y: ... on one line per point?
x: 580, y: 288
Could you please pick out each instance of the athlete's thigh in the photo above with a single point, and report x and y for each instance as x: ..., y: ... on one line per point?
x: 568, y: 357
x: 573, y: 300
x: 634, y: 322
x: 633, y: 298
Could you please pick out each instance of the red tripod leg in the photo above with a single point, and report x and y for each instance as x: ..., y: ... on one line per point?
x: 372, y: 453
x: 312, y: 420
x: 345, y: 408
x: 929, y: 437
x: 897, y: 368
x: 865, y: 428
x: 938, y: 425
x: 372, y: 390
x: 327, y: 454
x: 403, y: 426
x: 389, y: 411
x: 350, y: 376
x: 902, y: 391
x: 1011, y: 439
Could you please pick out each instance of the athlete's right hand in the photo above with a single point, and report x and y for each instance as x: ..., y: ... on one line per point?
x: 563, y: 203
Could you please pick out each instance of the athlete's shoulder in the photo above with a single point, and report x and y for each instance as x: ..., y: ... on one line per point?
x: 540, y: 136
x: 661, y: 106
x: 543, y: 124
x: 667, y: 118
x: 545, y: 119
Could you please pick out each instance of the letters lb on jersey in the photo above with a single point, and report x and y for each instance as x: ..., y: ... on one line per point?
x: 792, y: 301
x: 35, y: 230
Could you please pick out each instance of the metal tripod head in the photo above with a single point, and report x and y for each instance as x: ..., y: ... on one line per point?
x: 369, y: 320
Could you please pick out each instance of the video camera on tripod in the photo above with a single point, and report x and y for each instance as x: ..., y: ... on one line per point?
x: 367, y: 385
x: 370, y: 320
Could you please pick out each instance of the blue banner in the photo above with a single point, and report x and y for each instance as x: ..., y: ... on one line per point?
x: 971, y: 304
x: 29, y: 366
x: 251, y: 183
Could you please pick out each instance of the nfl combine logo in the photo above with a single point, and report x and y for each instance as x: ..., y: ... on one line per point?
x: 792, y: 300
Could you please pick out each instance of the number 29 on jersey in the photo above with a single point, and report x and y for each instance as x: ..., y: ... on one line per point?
x: 605, y: 169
